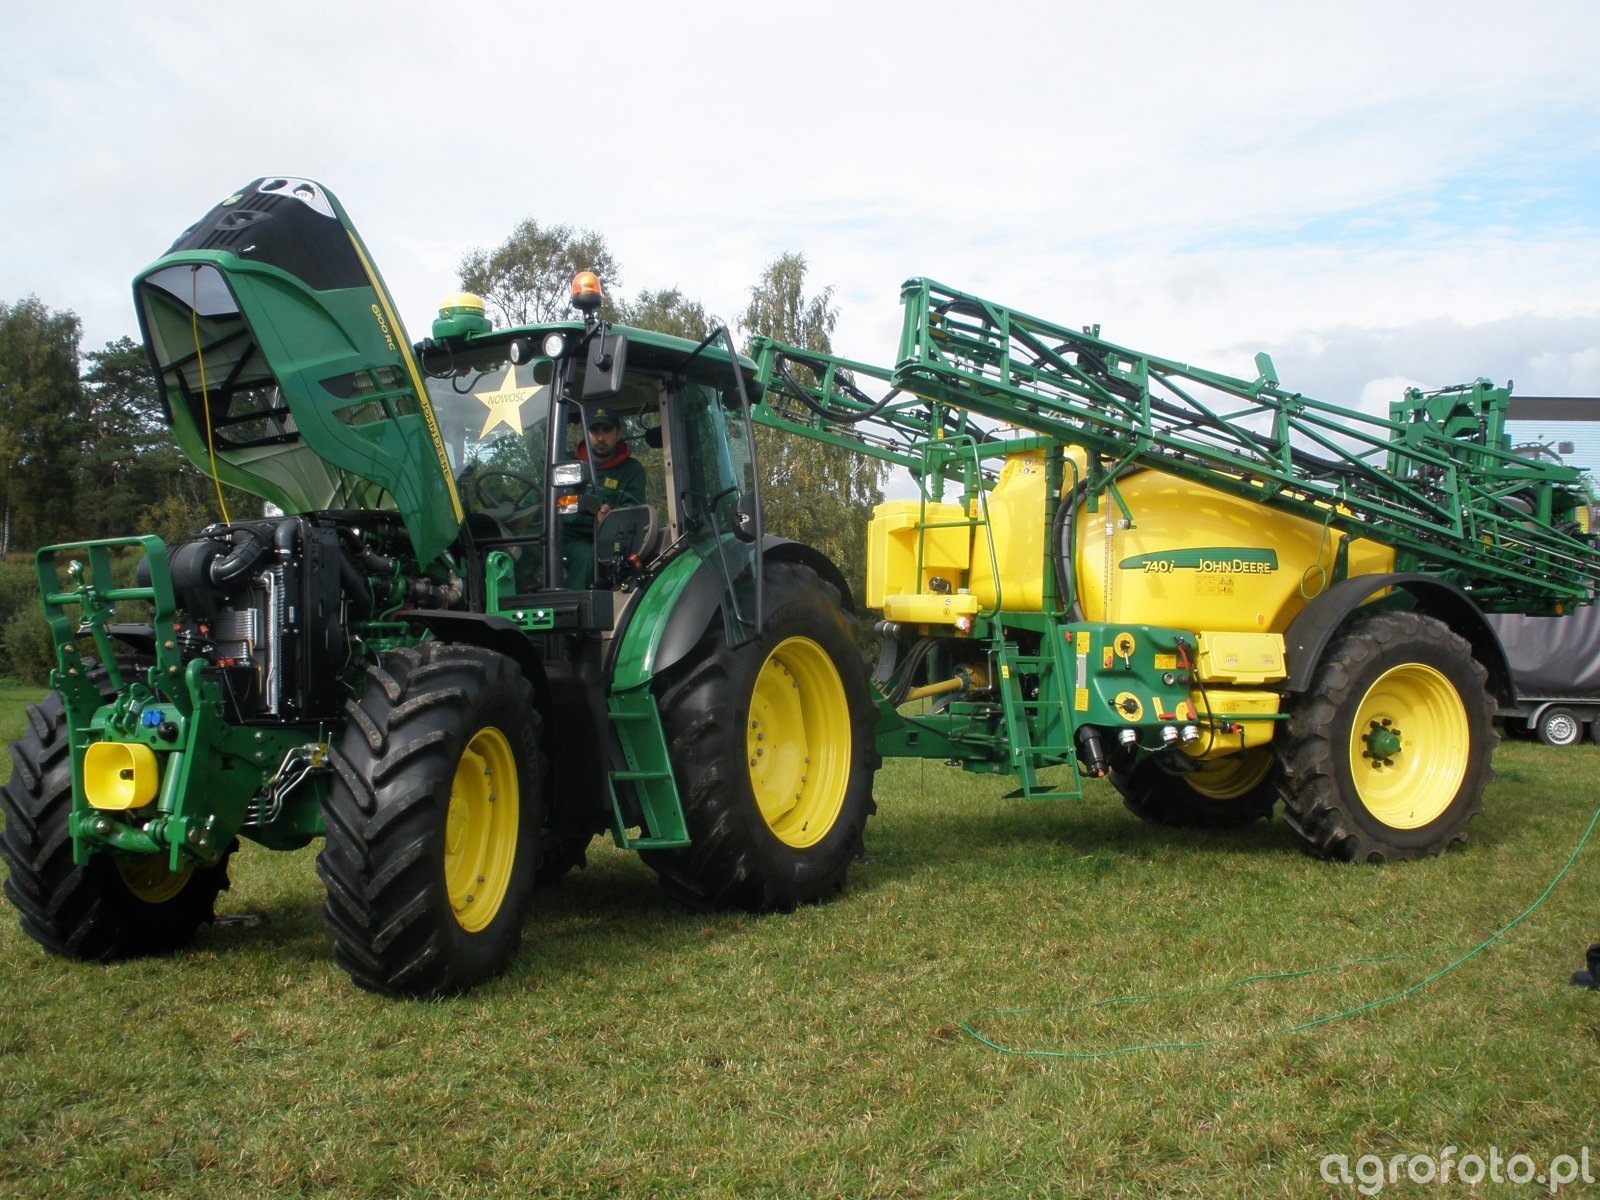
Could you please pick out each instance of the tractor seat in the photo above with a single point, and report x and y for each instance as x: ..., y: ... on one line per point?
x: 625, y: 541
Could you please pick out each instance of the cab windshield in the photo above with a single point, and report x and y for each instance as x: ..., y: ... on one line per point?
x: 494, y: 418
x: 657, y: 465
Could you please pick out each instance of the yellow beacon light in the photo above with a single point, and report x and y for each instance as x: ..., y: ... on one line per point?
x: 586, y: 294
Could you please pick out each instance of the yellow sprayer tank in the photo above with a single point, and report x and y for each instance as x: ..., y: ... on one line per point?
x: 1201, y: 559
x: 1181, y: 556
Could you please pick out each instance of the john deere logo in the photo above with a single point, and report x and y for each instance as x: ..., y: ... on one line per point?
x: 1212, y: 560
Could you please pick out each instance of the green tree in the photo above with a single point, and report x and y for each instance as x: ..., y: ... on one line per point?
x: 528, y: 277
x: 666, y: 311
x: 813, y: 492
x: 128, y: 463
x: 41, y: 402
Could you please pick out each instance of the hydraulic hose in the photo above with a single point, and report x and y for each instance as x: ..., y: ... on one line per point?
x: 247, y: 551
x: 839, y: 416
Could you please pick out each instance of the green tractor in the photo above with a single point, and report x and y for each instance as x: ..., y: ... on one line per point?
x: 434, y: 644
x: 506, y: 590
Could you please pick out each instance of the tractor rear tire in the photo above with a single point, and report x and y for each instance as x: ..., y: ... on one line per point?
x: 1223, y: 793
x: 772, y: 746
x: 111, y: 908
x: 1388, y: 754
x: 432, y: 819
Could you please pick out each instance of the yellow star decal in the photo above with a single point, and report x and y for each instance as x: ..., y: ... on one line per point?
x: 505, y: 405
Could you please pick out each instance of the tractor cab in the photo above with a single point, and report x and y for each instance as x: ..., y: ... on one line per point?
x: 587, y: 459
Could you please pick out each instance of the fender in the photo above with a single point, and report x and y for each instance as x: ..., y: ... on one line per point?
x: 1308, y: 635
x: 665, y: 623
x: 669, y: 620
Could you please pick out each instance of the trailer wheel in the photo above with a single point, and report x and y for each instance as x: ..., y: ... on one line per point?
x: 111, y: 908
x: 1560, y: 727
x: 431, y: 820
x: 1387, y: 755
x: 772, y: 746
x: 1220, y: 793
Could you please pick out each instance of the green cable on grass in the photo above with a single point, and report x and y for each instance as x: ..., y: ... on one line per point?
x: 1085, y: 1055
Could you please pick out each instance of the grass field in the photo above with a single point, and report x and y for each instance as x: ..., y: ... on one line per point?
x: 637, y: 1049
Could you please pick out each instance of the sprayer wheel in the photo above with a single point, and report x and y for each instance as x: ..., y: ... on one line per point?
x: 1221, y: 793
x: 1387, y: 754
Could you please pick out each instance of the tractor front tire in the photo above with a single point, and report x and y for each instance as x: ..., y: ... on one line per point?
x: 1388, y: 753
x: 1222, y: 793
x: 772, y: 747
x: 111, y: 908
x: 432, y: 819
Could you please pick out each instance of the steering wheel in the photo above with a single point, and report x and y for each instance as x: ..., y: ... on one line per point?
x: 509, y: 497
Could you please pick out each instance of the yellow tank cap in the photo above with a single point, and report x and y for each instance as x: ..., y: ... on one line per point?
x: 120, y: 775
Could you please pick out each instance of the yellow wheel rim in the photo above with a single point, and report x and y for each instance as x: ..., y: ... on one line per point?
x: 480, y: 839
x: 1232, y: 777
x: 150, y: 881
x: 798, y: 738
x: 1409, y: 746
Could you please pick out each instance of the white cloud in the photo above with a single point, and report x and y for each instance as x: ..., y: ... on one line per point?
x: 1543, y: 356
x: 1204, y: 180
x: 1378, y: 394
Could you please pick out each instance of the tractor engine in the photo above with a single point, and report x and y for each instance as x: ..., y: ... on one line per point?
x: 263, y: 603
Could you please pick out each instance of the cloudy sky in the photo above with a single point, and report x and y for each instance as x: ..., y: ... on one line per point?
x: 1374, y: 192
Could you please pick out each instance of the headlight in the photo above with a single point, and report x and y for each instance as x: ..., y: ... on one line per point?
x: 555, y: 345
x: 567, y: 475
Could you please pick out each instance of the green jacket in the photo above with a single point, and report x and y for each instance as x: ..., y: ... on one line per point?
x: 618, y: 482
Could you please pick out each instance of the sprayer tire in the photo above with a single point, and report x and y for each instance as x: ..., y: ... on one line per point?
x: 110, y: 908
x: 772, y: 748
x: 428, y: 860
x: 1166, y: 798
x: 1387, y: 754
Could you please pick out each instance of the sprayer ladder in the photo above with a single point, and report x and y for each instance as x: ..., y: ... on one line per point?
x: 1037, y: 690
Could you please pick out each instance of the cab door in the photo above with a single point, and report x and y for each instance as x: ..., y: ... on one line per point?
x: 715, y: 493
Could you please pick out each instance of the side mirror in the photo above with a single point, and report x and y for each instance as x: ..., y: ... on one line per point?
x: 608, y: 359
x: 745, y: 524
